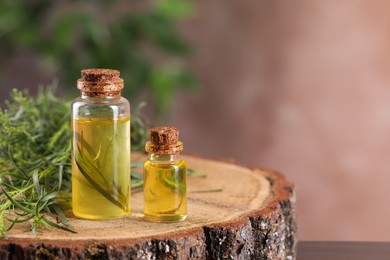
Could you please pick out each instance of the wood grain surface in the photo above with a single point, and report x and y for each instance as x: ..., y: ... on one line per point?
x: 252, y: 215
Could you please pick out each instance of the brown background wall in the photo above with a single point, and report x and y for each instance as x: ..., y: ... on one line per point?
x: 302, y: 87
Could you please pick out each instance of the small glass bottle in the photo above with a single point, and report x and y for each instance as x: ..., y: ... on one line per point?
x: 165, y: 196
x: 100, y: 147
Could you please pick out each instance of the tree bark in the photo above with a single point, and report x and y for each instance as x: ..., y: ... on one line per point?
x: 234, y: 212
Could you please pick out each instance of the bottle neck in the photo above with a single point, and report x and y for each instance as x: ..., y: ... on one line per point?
x: 100, y: 89
x: 100, y: 95
x: 164, y: 158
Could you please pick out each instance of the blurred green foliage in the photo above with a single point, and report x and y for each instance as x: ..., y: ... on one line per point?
x: 137, y: 37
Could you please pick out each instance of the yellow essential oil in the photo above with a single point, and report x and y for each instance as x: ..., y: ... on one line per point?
x: 100, y: 147
x: 101, y: 176
x: 165, y: 193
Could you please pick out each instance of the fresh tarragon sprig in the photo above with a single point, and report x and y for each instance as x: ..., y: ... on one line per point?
x: 35, y: 173
x: 35, y: 160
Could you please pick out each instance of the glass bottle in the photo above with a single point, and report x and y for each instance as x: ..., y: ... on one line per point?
x: 165, y: 196
x: 100, y: 147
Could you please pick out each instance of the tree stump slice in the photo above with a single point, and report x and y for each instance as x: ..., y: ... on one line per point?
x: 253, y: 217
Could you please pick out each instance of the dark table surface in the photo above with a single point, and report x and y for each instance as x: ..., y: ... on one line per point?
x: 321, y: 250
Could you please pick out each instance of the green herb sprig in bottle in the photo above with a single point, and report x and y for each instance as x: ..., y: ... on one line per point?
x: 165, y: 196
x: 100, y: 147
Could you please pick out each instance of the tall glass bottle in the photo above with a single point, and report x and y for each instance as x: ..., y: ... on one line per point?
x: 100, y: 147
x: 165, y: 196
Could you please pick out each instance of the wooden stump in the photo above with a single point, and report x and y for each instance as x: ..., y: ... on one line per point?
x: 253, y: 217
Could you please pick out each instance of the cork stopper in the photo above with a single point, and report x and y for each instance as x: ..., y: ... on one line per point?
x: 164, y: 140
x: 100, y: 83
x: 99, y: 75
